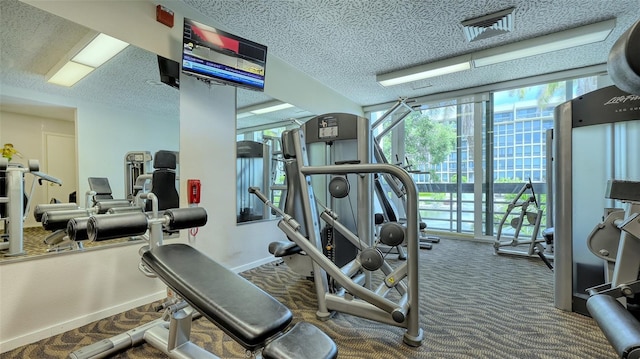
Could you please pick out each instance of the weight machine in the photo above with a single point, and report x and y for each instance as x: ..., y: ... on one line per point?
x: 529, y: 214
x: 13, y: 198
x: 616, y: 109
x: 616, y: 241
x: 348, y: 287
x: 137, y: 165
x: 388, y: 184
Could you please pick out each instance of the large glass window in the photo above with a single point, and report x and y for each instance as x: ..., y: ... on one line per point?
x: 530, y: 111
x: 509, y: 130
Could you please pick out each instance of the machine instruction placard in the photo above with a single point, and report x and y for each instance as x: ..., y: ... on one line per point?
x: 328, y: 128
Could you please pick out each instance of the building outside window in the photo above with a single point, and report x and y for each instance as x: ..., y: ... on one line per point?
x: 473, y: 157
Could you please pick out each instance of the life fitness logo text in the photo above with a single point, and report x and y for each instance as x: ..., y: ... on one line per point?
x: 624, y: 99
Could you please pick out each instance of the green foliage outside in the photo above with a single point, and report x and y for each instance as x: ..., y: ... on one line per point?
x: 428, y: 141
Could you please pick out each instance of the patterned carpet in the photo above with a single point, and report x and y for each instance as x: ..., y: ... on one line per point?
x: 474, y: 304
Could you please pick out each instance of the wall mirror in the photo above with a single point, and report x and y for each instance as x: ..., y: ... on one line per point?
x: 91, y: 128
x: 259, y: 157
x: 87, y: 130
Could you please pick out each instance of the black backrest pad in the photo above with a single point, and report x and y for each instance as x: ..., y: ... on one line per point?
x: 100, y: 185
x: 165, y: 159
x: 243, y: 311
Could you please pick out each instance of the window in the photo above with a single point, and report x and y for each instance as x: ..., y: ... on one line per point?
x: 513, y: 150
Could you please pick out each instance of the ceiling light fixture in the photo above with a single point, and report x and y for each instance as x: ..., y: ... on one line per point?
x: 262, y: 111
x: 263, y: 108
x: 540, y: 45
x: 422, y: 72
x: 544, y: 44
x: 101, y: 48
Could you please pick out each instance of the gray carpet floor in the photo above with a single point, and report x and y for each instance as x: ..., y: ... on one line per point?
x: 473, y: 304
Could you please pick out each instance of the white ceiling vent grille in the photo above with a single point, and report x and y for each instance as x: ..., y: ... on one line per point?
x: 488, y: 25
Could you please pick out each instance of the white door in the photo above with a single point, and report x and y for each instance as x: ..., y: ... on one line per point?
x: 60, y: 152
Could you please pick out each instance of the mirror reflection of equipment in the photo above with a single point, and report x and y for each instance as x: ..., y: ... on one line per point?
x: 13, y: 200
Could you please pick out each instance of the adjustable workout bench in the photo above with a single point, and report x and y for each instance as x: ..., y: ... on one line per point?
x: 243, y: 311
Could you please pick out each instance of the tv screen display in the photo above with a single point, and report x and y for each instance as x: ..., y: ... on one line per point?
x: 216, y: 55
x: 169, y: 72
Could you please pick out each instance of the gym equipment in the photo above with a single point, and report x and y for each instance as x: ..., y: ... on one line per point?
x: 101, y: 190
x: 163, y: 180
x: 623, y: 63
x: 617, y: 241
x: 54, y: 218
x: 333, y: 138
x: 136, y: 164
x: 530, y: 214
x: 346, y: 292
x: 337, y: 139
x: 387, y: 184
x: 258, y: 322
x: 253, y: 162
x: 605, y: 106
x: 12, y: 199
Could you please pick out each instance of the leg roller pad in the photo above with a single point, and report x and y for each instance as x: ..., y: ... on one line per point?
x: 304, y: 340
x: 618, y: 325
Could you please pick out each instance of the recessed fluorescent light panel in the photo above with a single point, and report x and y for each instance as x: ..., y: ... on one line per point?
x: 422, y: 72
x: 97, y: 52
x: 69, y: 74
x: 262, y: 111
x: 541, y: 45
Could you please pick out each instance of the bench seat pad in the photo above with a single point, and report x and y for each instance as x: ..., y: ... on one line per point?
x: 243, y: 311
x: 304, y: 340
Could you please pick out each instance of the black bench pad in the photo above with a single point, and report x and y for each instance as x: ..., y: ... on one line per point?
x: 284, y: 248
x: 243, y: 311
x: 304, y: 340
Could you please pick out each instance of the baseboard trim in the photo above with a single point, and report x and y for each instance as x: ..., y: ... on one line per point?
x: 254, y: 264
x: 44, y: 333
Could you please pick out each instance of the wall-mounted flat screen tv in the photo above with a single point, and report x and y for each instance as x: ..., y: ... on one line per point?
x: 169, y: 72
x: 215, y: 55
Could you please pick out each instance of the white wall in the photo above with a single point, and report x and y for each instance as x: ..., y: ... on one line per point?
x: 106, y: 134
x: 207, y: 152
x: 53, y: 294
x: 91, y: 285
x: 25, y: 132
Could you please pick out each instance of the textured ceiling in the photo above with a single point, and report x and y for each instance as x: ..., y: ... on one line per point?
x: 130, y: 80
x: 341, y: 43
x: 345, y: 43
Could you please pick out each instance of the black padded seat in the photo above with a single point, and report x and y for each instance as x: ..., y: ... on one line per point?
x: 316, y: 344
x: 243, y: 311
x: 284, y: 248
x: 547, y: 234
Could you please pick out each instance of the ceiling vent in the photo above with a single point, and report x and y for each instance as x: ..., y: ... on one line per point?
x: 488, y: 25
